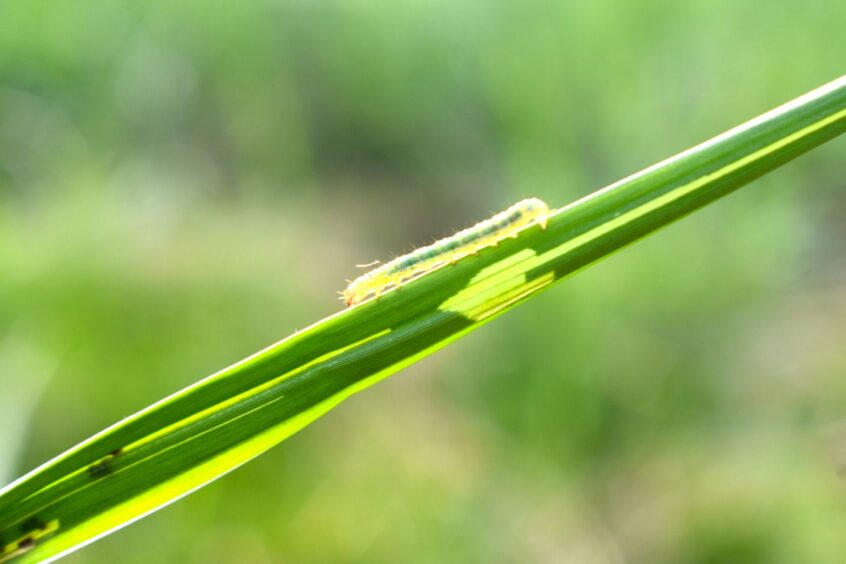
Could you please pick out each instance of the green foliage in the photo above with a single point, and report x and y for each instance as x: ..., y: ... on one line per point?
x: 204, y: 431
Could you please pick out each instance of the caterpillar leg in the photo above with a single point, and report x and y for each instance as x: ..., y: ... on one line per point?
x: 403, y: 281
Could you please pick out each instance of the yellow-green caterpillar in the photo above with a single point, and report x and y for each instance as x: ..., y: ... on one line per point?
x: 487, y: 233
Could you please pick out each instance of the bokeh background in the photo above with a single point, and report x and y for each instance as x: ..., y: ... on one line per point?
x: 183, y: 183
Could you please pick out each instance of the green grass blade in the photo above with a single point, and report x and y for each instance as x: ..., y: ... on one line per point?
x: 182, y: 442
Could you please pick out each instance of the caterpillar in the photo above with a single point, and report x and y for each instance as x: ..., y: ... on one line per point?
x: 489, y: 232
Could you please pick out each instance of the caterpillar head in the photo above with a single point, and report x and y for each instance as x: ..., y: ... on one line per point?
x: 352, y: 295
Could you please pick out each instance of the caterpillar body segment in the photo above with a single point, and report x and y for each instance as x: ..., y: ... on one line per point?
x: 490, y: 232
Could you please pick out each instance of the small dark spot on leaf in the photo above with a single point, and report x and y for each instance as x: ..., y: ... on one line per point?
x: 33, y: 524
x: 104, y: 467
x: 100, y: 469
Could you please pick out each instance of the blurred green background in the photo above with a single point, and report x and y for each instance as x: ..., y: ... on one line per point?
x: 183, y: 183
